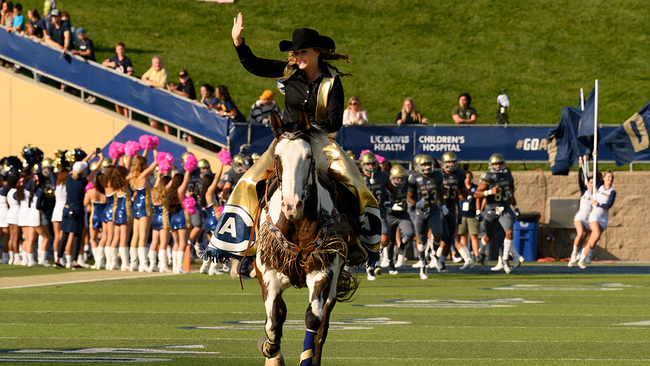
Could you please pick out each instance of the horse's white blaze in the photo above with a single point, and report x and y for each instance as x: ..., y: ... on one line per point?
x: 295, y: 170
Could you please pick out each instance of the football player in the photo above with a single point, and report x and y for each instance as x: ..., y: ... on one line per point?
x: 496, y: 187
x: 378, y: 182
x: 453, y: 181
x: 425, y: 193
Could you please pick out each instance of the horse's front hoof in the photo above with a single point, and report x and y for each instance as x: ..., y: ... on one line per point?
x: 275, y: 361
x: 269, y: 349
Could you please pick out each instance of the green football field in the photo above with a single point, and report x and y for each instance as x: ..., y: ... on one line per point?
x: 544, y: 314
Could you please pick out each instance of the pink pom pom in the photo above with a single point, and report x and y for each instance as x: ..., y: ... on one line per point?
x: 115, y: 150
x: 224, y: 157
x: 164, y: 161
x: 89, y: 186
x: 190, y: 163
x: 220, y: 211
x: 380, y: 159
x: 149, y: 142
x: 132, y: 148
x: 189, y: 203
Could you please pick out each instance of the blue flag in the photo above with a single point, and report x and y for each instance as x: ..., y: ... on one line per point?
x: 585, y: 134
x: 629, y: 142
x: 563, y: 148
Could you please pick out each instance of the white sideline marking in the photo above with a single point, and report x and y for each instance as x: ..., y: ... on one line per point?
x: 456, y: 304
x: 64, y: 359
x: 106, y: 350
x: 592, y: 287
x: 647, y: 322
x: 83, y: 281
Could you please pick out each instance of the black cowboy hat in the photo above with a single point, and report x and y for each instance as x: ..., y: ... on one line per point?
x: 305, y: 38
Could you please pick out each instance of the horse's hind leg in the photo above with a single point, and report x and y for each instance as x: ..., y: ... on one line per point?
x: 322, y: 297
x: 273, y: 283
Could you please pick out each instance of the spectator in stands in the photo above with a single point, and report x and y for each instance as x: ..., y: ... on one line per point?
x: 37, y: 22
x: 262, y: 108
x: 48, y: 6
x: 65, y: 18
x: 207, y: 96
x: 463, y: 114
x: 123, y: 64
x: 353, y: 114
x: 87, y: 51
x: 58, y: 33
x: 19, y: 20
x: 186, y: 86
x: 7, y: 17
x: 408, y: 114
x: 227, y: 106
x: 156, y: 77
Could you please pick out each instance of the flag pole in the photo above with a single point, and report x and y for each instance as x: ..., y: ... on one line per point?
x: 595, y: 136
x: 585, y: 158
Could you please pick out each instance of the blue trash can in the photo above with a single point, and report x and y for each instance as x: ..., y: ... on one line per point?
x: 524, y: 239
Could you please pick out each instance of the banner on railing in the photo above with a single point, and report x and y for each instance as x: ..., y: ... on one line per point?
x: 129, y: 91
x: 404, y: 142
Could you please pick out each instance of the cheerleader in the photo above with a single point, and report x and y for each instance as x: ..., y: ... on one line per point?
x: 60, y: 195
x: 581, y: 219
x: 178, y: 218
x: 107, y: 219
x: 73, y: 221
x: 209, y: 203
x: 159, y: 225
x: 121, y: 216
x: 13, y: 207
x: 37, y: 222
x: 138, y: 178
x: 601, y: 203
x: 95, y: 203
x: 23, y: 213
x: 4, y: 227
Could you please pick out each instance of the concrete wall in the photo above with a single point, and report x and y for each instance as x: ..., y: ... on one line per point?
x: 627, y: 236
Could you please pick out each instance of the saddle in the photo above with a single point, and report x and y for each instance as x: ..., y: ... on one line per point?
x: 346, y: 203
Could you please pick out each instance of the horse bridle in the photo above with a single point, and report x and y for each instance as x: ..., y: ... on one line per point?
x: 306, y: 189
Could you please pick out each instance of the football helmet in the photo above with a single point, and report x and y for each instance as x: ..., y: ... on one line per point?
x: 203, y: 164
x: 450, y: 162
x: 369, y: 158
x: 497, y: 159
x: 425, y: 165
x: 398, y: 176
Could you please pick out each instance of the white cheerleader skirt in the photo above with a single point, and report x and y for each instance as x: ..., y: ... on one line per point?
x: 583, y: 216
x: 599, y: 215
x: 23, y: 213
x: 57, y: 213
x: 3, y: 212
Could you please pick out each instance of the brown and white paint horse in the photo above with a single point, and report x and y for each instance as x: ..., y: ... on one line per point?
x: 302, y: 240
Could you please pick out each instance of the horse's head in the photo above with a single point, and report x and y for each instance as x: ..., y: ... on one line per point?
x: 294, y: 163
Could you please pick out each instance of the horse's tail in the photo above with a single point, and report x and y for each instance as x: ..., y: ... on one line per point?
x: 347, y: 285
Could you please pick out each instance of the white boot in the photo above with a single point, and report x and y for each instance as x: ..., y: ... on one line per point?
x: 499, y: 265
x: 170, y: 256
x: 174, y: 262
x: 11, y: 257
x: 205, y: 267
x: 5, y: 258
x: 469, y: 263
x: 152, y: 261
x: 68, y: 261
x: 124, y: 255
x: 100, y: 258
x: 30, y: 260
x: 180, y: 257
x: 133, y: 262
x: 213, y: 269
x: 517, y: 258
x: 142, y: 258
x: 162, y: 261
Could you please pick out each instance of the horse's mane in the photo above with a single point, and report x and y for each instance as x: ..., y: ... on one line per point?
x: 319, y: 139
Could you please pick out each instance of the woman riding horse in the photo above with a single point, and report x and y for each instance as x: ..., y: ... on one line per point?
x: 312, y: 85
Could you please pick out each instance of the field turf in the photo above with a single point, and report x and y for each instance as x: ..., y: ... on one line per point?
x: 545, y: 314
